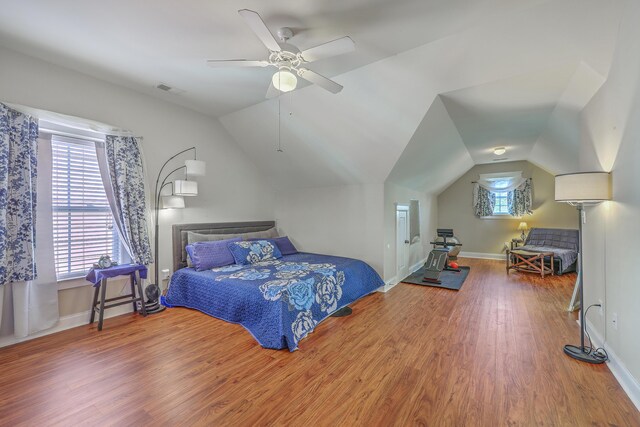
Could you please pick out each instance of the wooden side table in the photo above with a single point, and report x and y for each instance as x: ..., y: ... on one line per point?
x: 532, y: 262
x: 99, y: 276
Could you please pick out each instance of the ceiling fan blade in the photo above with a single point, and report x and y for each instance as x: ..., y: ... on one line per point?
x: 326, y: 50
x: 272, y: 92
x: 260, y: 29
x: 321, y: 81
x: 236, y: 63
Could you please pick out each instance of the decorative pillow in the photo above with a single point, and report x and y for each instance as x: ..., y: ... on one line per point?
x: 200, y: 237
x: 266, y: 234
x: 250, y: 252
x: 285, y: 245
x: 282, y: 243
x: 207, y: 255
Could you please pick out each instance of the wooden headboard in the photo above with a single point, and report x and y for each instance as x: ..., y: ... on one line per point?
x: 180, y: 235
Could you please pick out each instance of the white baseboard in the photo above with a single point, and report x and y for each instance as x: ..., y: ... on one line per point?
x: 415, y: 267
x: 394, y: 280
x: 627, y: 381
x: 388, y: 284
x: 66, y: 322
x: 482, y: 255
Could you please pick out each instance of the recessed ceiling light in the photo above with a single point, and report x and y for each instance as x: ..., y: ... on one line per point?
x: 499, y: 151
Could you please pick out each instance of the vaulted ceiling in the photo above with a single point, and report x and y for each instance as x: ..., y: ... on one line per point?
x: 432, y: 87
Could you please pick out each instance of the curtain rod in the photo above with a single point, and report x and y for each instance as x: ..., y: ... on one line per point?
x: 76, y: 136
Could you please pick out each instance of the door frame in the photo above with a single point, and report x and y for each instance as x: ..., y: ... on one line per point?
x: 400, y: 274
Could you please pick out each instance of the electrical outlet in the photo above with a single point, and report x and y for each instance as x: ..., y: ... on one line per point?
x: 601, y: 307
x: 614, y: 321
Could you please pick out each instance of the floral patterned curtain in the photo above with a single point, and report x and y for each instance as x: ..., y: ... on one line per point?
x: 483, y: 201
x: 120, y: 163
x: 18, y: 162
x: 520, y: 200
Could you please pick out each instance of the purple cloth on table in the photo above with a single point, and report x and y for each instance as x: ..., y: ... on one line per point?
x: 96, y: 275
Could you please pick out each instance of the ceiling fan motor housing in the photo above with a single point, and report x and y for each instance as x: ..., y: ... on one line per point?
x: 284, y: 34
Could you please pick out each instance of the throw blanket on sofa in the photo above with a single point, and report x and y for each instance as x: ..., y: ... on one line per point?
x: 562, y: 242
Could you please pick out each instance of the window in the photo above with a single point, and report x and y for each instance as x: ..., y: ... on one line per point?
x: 501, y: 207
x: 83, y: 228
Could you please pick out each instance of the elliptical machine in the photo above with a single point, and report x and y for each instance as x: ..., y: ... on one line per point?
x: 438, y: 259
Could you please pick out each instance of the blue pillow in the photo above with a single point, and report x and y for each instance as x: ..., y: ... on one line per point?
x: 282, y: 243
x: 212, y: 254
x: 252, y: 251
x: 285, y: 245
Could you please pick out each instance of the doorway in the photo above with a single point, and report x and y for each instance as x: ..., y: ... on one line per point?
x: 402, y: 241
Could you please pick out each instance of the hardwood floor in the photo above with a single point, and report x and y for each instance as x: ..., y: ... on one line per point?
x: 488, y: 355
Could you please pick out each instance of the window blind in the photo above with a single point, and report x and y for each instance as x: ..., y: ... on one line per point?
x: 83, y: 228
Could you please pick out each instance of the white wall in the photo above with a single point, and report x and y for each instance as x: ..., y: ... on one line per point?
x: 610, y: 140
x: 341, y: 220
x: 396, y: 195
x: 233, y: 189
x: 356, y: 221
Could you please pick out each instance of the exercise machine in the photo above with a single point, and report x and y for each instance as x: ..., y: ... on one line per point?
x: 438, y: 259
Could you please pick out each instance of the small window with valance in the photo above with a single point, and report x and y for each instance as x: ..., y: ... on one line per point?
x: 506, y: 194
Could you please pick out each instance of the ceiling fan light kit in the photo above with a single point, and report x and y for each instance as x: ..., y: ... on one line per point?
x: 288, y: 59
x: 284, y: 80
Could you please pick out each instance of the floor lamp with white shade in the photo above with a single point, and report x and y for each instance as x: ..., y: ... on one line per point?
x: 174, y: 200
x: 581, y: 189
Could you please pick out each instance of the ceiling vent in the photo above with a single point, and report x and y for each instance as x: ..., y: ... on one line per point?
x: 502, y: 159
x: 166, y: 88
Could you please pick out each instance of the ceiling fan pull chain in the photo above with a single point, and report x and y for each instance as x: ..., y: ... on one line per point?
x: 279, y: 150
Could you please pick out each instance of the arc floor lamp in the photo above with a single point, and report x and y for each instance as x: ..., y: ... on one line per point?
x: 579, y: 190
x: 174, y: 200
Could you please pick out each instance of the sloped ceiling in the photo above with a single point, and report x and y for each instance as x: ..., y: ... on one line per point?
x: 431, y: 88
x: 141, y: 43
x: 501, y: 83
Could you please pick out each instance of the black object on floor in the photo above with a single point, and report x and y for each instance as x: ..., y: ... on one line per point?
x: 449, y: 279
x: 344, y: 311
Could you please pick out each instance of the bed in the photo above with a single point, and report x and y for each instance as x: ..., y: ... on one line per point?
x: 278, y: 301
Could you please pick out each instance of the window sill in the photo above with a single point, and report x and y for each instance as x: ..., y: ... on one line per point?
x: 506, y: 216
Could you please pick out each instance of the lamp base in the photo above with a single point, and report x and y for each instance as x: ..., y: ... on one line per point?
x: 579, y: 354
x: 153, y: 307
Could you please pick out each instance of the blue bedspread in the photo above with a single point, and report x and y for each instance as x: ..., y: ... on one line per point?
x: 279, y: 301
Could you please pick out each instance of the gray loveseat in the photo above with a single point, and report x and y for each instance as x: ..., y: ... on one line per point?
x: 562, y: 242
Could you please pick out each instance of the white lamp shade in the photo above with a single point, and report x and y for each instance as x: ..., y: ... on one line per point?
x: 284, y: 81
x: 172, y: 202
x: 583, y: 187
x: 196, y: 167
x: 185, y: 188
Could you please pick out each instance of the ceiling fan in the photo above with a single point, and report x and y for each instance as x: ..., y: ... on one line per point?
x: 288, y: 59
